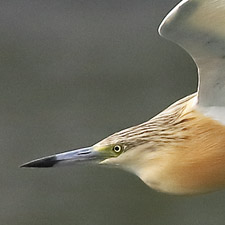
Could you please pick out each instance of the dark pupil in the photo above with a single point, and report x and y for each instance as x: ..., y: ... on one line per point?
x: 117, y: 148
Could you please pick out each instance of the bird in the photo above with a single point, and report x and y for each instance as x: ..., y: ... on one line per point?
x: 181, y: 150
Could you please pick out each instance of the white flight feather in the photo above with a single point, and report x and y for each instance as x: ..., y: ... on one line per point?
x: 198, y: 26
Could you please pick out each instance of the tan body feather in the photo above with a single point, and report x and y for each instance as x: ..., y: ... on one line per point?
x: 194, y: 165
x: 184, y: 154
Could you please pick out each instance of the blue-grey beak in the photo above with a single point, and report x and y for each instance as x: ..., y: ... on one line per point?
x: 69, y: 157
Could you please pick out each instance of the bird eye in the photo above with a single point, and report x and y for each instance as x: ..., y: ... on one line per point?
x: 117, y: 148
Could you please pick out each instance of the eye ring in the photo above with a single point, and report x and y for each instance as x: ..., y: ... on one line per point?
x: 117, y: 148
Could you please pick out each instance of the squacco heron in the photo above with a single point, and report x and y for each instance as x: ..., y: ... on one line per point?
x: 182, y: 149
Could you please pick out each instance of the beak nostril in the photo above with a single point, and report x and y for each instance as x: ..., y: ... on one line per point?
x: 83, y: 153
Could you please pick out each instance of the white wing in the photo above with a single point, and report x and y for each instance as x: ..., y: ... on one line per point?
x: 199, y: 27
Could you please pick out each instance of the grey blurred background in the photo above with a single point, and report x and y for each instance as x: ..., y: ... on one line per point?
x: 72, y: 73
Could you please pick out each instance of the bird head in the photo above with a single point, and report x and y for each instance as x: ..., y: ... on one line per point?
x: 115, y: 150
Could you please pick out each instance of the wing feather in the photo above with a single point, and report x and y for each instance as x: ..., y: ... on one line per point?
x: 198, y: 26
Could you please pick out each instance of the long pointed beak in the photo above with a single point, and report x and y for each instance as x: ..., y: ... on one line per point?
x: 73, y: 156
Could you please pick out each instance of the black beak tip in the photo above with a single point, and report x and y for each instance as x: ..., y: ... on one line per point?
x: 41, y: 163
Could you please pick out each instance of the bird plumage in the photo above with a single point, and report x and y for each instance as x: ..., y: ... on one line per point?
x: 198, y: 26
x: 163, y: 128
x: 182, y: 149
